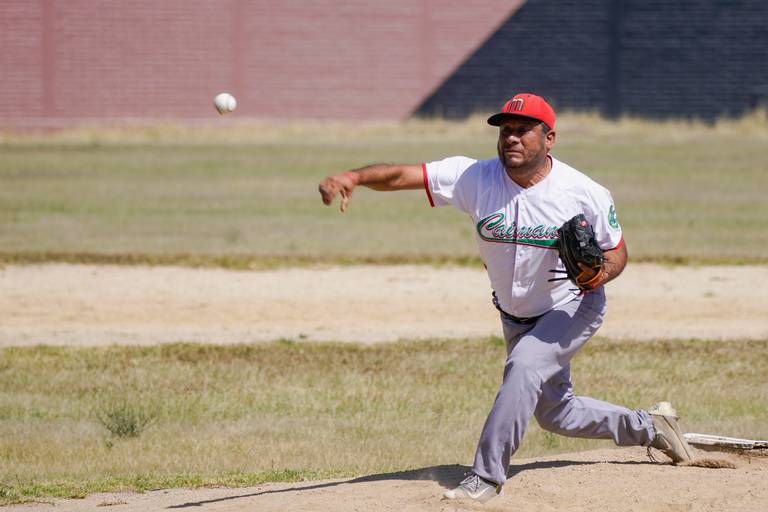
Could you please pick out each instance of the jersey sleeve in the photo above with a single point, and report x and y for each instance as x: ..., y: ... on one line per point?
x: 601, y: 213
x: 442, y: 181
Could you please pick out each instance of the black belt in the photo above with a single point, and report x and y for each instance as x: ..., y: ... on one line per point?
x: 516, y: 319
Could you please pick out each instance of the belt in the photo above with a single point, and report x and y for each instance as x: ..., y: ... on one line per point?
x: 516, y: 319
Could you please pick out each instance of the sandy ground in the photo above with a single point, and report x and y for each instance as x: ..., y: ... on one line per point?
x: 95, y: 305
x: 610, y: 480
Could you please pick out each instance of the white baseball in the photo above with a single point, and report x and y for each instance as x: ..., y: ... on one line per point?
x: 224, y: 103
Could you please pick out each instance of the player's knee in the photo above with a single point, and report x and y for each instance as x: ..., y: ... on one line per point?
x: 548, y: 421
x: 546, y: 425
x: 554, y: 417
x: 521, y: 366
x: 522, y: 372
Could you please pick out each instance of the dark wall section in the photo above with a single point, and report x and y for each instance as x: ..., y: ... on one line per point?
x: 694, y: 58
x: 652, y: 58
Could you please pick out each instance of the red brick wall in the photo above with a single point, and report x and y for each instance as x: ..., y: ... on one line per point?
x: 21, y: 59
x: 64, y: 60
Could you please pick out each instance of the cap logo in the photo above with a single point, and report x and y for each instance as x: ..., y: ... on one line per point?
x: 525, y: 105
x: 516, y: 104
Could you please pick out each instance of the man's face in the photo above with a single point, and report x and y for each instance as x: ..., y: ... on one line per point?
x: 523, y: 143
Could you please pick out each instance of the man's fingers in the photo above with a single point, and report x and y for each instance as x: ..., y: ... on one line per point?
x: 344, y: 200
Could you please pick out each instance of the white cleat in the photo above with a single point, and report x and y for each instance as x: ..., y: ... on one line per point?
x: 474, y: 488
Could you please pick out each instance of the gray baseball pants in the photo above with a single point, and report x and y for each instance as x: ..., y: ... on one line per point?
x: 537, y: 382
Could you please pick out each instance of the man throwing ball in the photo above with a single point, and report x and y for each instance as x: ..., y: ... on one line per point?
x: 550, y: 240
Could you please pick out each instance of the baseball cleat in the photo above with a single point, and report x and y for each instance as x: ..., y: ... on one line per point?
x: 667, y: 434
x: 475, y: 488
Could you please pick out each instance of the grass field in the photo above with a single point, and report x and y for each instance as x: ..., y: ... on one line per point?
x: 80, y: 420
x: 75, y: 421
x: 248, y: 193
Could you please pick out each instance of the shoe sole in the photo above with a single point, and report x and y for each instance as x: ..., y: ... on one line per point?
x: 452, y: 495
x: 489, y: 496
x: 675, y: 427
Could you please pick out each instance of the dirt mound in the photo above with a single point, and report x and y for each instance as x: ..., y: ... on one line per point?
x: 611, y: 479
x: 96, y: 305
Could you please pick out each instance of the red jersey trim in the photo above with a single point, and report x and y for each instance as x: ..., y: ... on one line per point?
x: 621, y: 242
x: 426, y: 184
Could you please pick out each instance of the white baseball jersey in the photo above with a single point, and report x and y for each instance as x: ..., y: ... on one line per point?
x: 515, y: 227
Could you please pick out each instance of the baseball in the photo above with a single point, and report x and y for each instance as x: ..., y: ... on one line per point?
x: 224, y: 103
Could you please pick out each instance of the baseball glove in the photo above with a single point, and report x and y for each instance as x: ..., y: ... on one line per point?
x: 577, y: 245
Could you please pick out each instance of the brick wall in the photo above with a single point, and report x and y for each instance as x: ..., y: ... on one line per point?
x: 69, y: 60
x: 65, y: 60
x: 21, y: 59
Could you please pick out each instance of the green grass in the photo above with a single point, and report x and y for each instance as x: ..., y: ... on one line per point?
x: 685, y: 191
x: 284, y: 411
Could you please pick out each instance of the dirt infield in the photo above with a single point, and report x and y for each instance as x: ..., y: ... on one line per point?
x: 612, y: 479
x: 95, y: 305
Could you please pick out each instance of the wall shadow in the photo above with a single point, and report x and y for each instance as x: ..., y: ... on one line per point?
x: 650, y: 58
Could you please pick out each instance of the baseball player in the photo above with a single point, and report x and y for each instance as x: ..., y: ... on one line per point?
x: 518, y: 202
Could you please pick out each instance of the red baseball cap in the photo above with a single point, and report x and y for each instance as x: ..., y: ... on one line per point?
x: 525, y: 105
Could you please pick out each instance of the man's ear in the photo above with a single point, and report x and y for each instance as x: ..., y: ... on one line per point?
x: 549, y: 139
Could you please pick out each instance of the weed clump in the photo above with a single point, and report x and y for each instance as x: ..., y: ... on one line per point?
x: 125, y: 420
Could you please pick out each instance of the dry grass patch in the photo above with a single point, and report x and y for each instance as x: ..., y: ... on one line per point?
x: 685, y: 191
x: 245, y: 414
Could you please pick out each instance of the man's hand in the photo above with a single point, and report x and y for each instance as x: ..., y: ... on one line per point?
x: 343, y: 184
x: 377, y: 177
